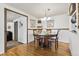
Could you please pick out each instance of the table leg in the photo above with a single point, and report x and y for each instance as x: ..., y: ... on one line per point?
x: 42, y: 42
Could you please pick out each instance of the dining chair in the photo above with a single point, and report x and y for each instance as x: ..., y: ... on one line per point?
x: 40, y: 38
x: 48, y: 31
x: 39, y: 31
x: 54, y: 39
x: 34, y: 32
x: 37, y: 38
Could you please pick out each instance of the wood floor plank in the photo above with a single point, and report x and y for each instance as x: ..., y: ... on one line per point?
x: 31, y: 50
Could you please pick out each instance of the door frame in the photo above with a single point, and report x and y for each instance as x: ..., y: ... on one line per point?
x: 5, y: 25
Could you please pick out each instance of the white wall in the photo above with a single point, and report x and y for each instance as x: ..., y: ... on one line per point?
x: 30, y: 32
x: 22, y: 30
x: 1, y: 28
x: 61, y: 21
x: 22, y: 36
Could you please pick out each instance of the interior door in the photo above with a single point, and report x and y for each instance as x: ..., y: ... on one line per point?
x: 16, y: 31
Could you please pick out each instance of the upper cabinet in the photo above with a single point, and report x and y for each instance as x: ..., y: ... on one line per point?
x: 74, y: 16
x: 33, y: 23
x: 72, y: 8
x: 39, y: 24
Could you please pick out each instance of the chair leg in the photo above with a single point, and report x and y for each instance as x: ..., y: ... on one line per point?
x: 42, y: 43
x: 34, y: 42
x: 37, y: 43
x: 55, y: 45
x: 49, y: 44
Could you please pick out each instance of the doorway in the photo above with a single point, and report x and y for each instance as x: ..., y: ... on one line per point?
x: 16, y: 31
x: 14, y: 25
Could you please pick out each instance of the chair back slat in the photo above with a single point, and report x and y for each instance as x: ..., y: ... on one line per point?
x: 58, y: 32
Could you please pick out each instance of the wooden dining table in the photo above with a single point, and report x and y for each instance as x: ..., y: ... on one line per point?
x: 44, y: 38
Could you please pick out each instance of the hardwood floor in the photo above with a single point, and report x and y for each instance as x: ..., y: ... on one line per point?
x: 31, y: 50
x: 11, y: 44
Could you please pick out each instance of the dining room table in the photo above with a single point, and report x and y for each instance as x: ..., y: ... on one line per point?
x: 44, y: 38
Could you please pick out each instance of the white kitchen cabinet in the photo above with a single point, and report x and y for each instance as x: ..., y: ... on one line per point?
x: 74, y: 43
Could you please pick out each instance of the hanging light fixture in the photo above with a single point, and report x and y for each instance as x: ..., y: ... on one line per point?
x: 46, y: 17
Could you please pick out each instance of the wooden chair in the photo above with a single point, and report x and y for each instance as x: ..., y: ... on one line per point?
x: 49, y: 31
x: 54, y: 39
x: 36, y: 36
x: 34, y: 32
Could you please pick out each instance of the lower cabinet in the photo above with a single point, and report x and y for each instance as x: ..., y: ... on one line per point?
x: 74, y: 43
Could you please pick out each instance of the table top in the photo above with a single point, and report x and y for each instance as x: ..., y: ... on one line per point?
x: 45, y: 34
x: 48, y: 28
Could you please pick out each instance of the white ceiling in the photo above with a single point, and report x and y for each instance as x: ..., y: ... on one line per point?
x: 38, y: 9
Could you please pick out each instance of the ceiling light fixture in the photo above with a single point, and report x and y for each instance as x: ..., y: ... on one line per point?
x: 46, y: 16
